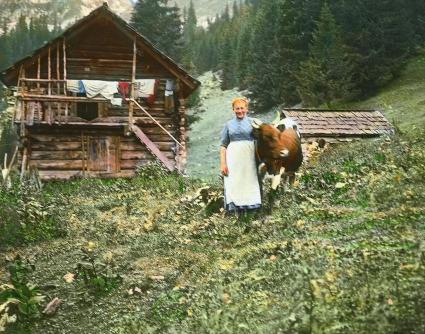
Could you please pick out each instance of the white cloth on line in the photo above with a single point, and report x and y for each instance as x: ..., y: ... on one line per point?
x: 99, y: 87
x: 73, y: 86
x: 116, y: 101
x: 144, y: 88
x: 241, y: 186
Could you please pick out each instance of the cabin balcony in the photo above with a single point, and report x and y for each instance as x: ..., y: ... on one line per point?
x: 48, y: 102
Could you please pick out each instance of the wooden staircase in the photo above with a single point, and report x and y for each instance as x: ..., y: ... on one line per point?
x: 152, y: 147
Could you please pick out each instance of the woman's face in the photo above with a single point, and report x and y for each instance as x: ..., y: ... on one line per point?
x: 240, y: 109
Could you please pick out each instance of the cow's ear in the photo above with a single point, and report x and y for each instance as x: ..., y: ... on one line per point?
x: 281, y: 127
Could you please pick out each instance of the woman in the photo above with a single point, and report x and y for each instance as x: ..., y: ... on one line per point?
x: 237, y: 161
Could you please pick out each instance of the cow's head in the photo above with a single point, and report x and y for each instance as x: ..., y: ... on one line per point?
x: 276, y: 142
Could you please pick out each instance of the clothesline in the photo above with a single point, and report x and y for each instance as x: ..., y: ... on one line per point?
x: 145, y: 88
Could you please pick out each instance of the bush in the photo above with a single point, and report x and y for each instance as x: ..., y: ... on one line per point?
x: 20, y: 300
x: 27, y: 216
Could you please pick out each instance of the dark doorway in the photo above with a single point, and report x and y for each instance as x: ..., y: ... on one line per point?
x: 87, y: 110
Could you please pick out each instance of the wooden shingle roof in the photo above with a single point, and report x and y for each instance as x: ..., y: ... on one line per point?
x: 340, y: 123
x: 10, y: 75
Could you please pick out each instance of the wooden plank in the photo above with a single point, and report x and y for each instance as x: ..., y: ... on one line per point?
x: 64, y: 59
x: 47, y: 175
x: 100, y: 60
x: 57, y: 164
x: 38, y: 70
x: 138, y: 155
x: 50, y: 117
x: 152, y: 147
x: 38, y: 80
x: 132, y: 83
x: 56, y: 155
x: 48, y: 138
x: 24, y: 163
x: 137, y: 146
x: 84, y: 124
x: 133, y: 164
x: 65, y: 146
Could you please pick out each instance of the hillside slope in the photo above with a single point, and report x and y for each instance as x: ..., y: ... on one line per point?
x: 402, y: 101
x: 342, y: 253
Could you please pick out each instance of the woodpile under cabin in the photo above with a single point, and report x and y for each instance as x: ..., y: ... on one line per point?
x: 99, y: 101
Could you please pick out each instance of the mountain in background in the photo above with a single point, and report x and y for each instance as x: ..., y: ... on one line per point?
x: 204, y: 8
x: 62, y: 12
x: 67, y: 11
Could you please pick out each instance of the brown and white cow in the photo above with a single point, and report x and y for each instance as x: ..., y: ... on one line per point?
x: 278, y: 149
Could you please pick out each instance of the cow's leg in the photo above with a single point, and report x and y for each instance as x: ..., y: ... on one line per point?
x: 262, y: 168
x: 277, y: 178
x: 291, y: 178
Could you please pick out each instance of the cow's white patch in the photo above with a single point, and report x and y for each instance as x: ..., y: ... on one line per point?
x: 276, y: 181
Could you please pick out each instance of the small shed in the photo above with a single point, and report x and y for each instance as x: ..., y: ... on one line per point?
x: 338, y: 125
x: 98, y: 101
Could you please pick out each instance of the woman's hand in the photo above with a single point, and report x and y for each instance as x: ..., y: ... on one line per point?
x: 224, y: 170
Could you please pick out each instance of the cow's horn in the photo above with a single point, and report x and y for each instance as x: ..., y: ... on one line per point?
x: 277, y: 119
x: 256, y: 123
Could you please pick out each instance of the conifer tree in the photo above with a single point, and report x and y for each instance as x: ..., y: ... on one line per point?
x: 160, y: 24
x: 263, y: 85
x: 227, y: 61
x: 381, y: 34
x: 235, y: 9
x: 243, y: 57
x: 189, y: 36
x: 327, y: 75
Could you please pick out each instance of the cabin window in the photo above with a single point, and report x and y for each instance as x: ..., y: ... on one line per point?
x: 87, y: 110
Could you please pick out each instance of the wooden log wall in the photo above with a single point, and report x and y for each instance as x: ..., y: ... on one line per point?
x: 60, y: 152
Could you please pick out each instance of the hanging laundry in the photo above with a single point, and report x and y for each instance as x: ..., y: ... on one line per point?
x: 75, y: 86
x: 169, y: 96
x: 144, y: 88
x: 124, y: 89
x: 98, y: 87
x: 116, y: 101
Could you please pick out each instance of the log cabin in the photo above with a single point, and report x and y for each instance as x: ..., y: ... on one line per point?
x: 99, y: 101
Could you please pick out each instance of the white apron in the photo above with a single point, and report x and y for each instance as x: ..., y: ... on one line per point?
x: 241, y: 185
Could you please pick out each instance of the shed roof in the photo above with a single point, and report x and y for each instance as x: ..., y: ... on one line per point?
x: 340, y: 123
x: 10, y: 76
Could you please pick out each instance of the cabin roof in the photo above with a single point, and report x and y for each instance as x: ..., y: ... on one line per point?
x: 340, y: 123
x: 10, y: 75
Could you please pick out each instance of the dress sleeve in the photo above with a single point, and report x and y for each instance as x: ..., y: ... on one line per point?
x: 225, y: 138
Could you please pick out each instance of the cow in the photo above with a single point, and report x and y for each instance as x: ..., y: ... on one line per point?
x: 278, y: 149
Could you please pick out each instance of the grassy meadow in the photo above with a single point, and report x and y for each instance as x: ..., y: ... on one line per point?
x: 342, y: 251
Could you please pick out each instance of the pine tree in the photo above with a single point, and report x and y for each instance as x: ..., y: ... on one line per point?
x: 381, y: 34
x: 227, y: 62
x: 225, y: 16
x: 327, y: 75
x: 189, y: 36
x: 159, y: 24
x: 265, y: 80
x: 235, y: 9
x: 243, y: 57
